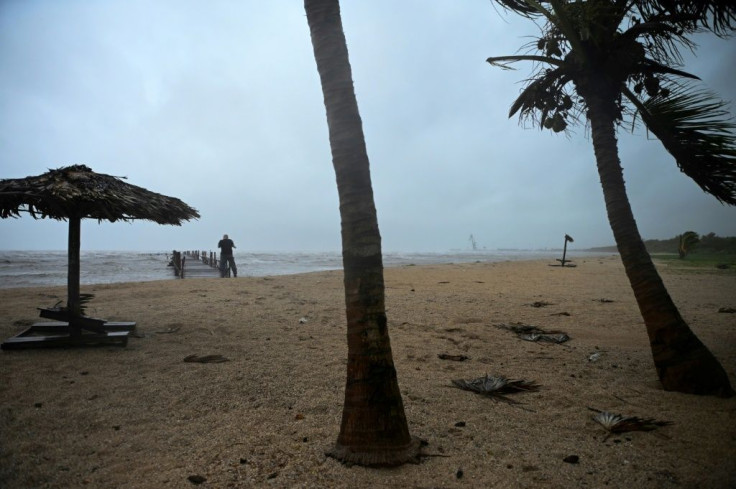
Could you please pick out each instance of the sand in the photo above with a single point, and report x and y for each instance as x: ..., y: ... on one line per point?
x: 142, y: 417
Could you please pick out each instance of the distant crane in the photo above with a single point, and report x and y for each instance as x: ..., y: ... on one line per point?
x: 473, y: 243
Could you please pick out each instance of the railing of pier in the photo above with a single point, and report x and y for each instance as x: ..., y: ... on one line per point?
x: 179, y: 261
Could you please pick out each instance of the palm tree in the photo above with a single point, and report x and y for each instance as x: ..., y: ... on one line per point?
x: 374, y: 430
x: 686, y: 243
x: 616, y: 60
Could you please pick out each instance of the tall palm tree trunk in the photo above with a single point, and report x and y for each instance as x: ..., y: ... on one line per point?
x: 374, y: 430
x: 683, y: 362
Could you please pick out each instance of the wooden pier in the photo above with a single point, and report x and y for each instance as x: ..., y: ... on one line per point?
x: 188, y: 264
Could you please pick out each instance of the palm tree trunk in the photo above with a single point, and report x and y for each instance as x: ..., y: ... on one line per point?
x: 374, y: 430
x: 683, y: 363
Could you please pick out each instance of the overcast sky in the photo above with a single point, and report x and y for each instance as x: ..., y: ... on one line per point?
x: 218, y: 103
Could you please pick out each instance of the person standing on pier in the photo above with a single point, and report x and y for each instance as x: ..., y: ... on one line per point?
x: 226, y: 246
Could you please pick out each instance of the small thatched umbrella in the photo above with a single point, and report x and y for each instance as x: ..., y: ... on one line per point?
x: 76, y: 192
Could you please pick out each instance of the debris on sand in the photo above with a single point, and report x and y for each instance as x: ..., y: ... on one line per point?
x: 496, y: 387
x: 571, y: 459
x: 454, y: 358
x: 617, y: 423
x: 169, y: 330
x: 550, y: 338
x: 196, y: 479
x: 532, y: 333
x: 594, y: 357
x: 205, y: 359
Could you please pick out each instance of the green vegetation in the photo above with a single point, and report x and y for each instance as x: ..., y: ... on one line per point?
x: 688, y: 241
x: 709, y: 245
x: 698, y: 261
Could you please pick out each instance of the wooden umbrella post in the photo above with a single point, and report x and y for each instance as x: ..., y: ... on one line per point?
x: 72, y: 303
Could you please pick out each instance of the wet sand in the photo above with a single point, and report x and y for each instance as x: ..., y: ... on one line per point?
x: 142, y: 417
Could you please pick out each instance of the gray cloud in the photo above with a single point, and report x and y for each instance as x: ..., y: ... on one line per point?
x: 220, y: 105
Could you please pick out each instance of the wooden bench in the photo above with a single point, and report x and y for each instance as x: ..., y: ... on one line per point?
x: 66, y: 333
x: 29, y: 339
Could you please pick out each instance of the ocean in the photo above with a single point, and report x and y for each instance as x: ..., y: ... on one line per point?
x: 49, y: 268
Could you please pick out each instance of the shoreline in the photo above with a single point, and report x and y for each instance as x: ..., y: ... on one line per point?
x: 141, y: 417
x: 246, y: 266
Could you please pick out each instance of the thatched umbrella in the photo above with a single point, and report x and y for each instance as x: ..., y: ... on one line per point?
x: 76, y: 192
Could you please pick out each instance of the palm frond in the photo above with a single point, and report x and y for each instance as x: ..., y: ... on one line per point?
x: 505, y: 61
x: 696, y: 129
x: 520, y: 7
x: 720, y: 16
x: 717, y: 16
x: 496, y: 387
x: 534, y: 94
x: 664, y: 39
x: 617, y: 423
x: 651, y: 66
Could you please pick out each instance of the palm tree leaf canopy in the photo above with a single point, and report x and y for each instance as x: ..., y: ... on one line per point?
x: 695, y: 127
x: 631, y: 50
x: 77, y: 191
x: 717, y: 16
x: 624, y: 53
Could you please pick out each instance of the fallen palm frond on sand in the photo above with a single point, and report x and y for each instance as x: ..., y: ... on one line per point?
x: 496, y: 387
x: 617, y: 423
x: 528, y: 332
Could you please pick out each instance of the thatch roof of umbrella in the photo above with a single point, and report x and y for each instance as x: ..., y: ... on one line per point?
x: 76, y: 192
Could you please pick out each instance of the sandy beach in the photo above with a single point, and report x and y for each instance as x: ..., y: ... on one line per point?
x: 142, y: 417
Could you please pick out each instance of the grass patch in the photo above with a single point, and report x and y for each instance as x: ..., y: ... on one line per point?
x: 718, y: 262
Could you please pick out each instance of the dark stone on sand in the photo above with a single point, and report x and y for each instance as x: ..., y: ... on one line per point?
x: 196, y: 479
x: 571, y: 459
